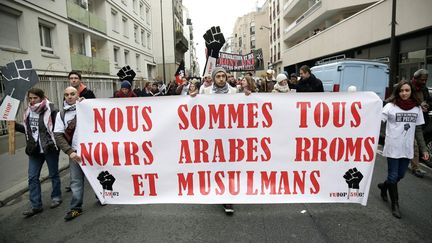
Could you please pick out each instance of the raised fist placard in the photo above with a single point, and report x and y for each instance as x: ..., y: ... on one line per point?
x: 214, y: 41
x: 19, y: 78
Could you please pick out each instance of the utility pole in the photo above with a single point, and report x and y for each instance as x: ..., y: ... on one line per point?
x: 393, y: 52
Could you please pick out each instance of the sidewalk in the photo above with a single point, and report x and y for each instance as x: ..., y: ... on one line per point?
x: 13, y: 175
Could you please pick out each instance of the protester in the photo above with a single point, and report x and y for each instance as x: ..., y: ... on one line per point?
x: 220, y: 86
x: 154, y: 90
x: 183, y: 88
x: 66, y: 138
x: 75, y: 81
x: 248, y: 85
x: 231, y: 80
x: 292, y: 82
x: 281, y: 85
x: 125, y: 90
x: 404, y: 118
x: 421, y: 91
x: 172, y: 86
x: 207, y: 82
x: 269, y: 81
x: 308, y: 81
x: 193, y: 89
x: 39, y: 118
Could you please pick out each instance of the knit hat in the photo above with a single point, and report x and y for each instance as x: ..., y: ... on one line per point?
x: 126, y: 84
x: 281, y: 77
x: 217, y: 70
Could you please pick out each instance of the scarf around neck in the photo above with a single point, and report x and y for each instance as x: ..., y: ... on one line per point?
x: 220, y: 90
x: 67, y: 107
x: 43, y: 108
x: 280, y: 88
x: 406, y: 104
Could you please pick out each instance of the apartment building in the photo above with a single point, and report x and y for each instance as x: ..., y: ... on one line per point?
x: 171, y: 42
x: 191, y: 64
x: 276, y: 29
x: 95, y: 37
x: 317, y: 29
x: 251, y: 32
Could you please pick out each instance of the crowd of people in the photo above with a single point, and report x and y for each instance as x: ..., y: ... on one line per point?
x: 48, y: 131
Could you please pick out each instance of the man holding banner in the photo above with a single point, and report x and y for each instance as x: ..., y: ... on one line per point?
x: 66, y: 138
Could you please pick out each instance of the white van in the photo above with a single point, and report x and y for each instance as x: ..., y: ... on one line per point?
x: 364, y: 75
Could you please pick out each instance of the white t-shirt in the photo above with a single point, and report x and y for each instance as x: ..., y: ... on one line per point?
x: 60, y: 127
x: 400, y: 130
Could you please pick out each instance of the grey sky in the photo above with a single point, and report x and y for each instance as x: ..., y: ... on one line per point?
x: 223, y: 13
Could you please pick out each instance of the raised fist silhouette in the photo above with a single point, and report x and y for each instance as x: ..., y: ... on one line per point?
x: 19, y: 78
x: 353, y: 178
x: 126, y: 73
x: 214, y: 41
x: 106, y: 180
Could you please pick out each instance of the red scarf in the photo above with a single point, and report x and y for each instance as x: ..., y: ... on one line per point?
x: 120, y: 94
x: 406, y: 104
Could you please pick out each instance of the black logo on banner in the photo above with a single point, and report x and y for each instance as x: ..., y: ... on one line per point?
x: 107, y: 180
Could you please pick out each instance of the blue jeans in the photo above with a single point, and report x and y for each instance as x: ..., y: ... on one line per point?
x: 77, y: 185
x: 396, y: 169
x: 34, y: 169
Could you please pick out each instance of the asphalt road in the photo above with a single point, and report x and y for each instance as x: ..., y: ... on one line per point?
x: 208, y: 223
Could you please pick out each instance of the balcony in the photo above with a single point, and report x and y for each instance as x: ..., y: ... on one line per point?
x: 84, y: 17
x: 87, y: 64
x: 302, y: 17
x: 181, y: 42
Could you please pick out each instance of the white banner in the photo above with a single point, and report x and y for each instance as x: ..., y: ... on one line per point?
x: 9, y: 109
x: 262, y: 148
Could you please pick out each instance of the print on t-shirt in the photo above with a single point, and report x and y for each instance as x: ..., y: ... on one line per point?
x: 34, y: 124
x: 406, y: 118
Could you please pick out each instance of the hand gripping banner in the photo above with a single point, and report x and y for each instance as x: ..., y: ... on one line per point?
x: 262, y: 148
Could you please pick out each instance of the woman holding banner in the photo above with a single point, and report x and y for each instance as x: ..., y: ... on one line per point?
x: 39, y: 118
x: 404, y: 118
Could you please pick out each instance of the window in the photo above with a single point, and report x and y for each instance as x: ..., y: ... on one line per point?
x: 141, y: 10
x: 135, y: 5
x: 114, y: 21
x: 138, y: 62
x: 125, y: 27
x: 45, y: 34
x: 116, y: 55
x: 126, y: 57
x: 143, y: 41
x: 149, y: 41
x: 148, y: 15
x: 136, y: 35
x: 252, y: 44
x: 9, y: 28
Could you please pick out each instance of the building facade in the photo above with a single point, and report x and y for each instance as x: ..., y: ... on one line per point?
x: 168, y: 29
x: 95, y: 37
x: 317, y: 29
x: 251, y: 32
x: 190, y: 57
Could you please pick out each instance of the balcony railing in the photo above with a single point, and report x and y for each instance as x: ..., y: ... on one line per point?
x: 84, y: 17
x: 306, y: 14
x: 87, y: 64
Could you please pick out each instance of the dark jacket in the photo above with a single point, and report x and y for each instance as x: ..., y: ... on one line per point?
x: 46, y: 141
x: 87, y: 93
x: 311, y: 84
x: 423, y: 94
